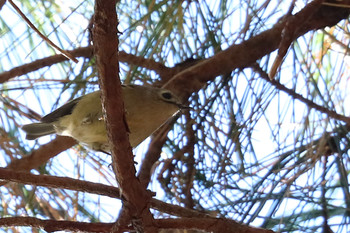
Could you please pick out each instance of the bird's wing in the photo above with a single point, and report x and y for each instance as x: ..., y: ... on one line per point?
x: 64, y: 110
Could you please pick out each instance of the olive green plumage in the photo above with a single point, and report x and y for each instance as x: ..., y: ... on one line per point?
x: 147, y: 108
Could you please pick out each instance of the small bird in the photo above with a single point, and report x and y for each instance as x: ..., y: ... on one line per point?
x: 146, y: 109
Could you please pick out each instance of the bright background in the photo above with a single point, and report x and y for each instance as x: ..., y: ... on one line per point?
x: 260, y: 156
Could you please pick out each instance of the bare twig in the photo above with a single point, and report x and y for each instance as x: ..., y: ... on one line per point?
x: 291, y: 26
x: 63, y: 52
x: 44, y: 62
x: 153, y: 154
x: 295, y: 95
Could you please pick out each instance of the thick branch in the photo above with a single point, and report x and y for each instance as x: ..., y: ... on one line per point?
x: 59, y: 182
x: 87, y: 52
x: 41, y: 155
x: 54, y: 225
x: 248, y: 52
x: 106, y: 45
x: 90, y: 187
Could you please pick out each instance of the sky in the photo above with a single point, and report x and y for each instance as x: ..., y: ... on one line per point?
x: 47, y: 101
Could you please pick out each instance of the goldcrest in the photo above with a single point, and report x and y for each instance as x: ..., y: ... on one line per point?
x: 146, y: 109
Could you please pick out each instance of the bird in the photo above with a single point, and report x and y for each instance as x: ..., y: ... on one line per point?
x: 146, y: 109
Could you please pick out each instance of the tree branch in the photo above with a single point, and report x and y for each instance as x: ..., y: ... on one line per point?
x: 41, y: 155
x: 216, y: 225
x: 136, y: 197
x: 249, y: 51
x: 54, y: 225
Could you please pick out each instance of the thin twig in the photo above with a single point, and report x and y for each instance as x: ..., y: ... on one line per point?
x: 63, y: 52
x: 295, y: 95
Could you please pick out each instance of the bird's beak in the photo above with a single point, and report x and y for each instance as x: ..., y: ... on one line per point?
x: 183, y: 106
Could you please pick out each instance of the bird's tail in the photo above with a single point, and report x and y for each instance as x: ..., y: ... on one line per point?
x: 36, y: 130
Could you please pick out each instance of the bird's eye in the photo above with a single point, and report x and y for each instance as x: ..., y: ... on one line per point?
x: 167, y: 95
